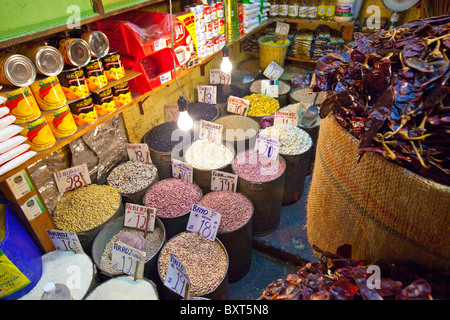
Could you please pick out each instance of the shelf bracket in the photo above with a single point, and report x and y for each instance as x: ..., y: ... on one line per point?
x: 98, y: 6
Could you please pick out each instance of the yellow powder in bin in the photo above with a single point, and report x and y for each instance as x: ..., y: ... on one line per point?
x: 2, y: 222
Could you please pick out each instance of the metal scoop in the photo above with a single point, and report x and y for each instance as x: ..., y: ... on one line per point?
x: 310, y: 115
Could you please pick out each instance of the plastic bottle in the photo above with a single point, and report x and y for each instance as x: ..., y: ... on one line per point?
x: 322, y: 10
x: 312, y: 10
x: 344, y: 10
x: 56, y: 291
x: 331, y: 8
x: 293, y: 9
x: 303, y: 10
x: 283, y: 8
x: 273, y: 13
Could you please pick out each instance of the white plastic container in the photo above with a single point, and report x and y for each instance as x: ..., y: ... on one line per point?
x: 344, y: 10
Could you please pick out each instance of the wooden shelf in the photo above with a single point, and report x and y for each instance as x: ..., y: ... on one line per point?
x: 318, y: 22
x: 47, y: 32
x: 300, y: 59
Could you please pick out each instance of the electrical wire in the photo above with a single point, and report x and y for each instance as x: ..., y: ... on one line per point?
x: 173, y: 50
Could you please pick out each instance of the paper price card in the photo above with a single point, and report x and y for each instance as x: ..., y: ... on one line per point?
x: 285, y: 117
x: 223, y: 181
x: 269, y: 88
x: 166, y: 77
x: 273, y: 71
x: 282, y: 30
x: 182, y: 170
x: 136, y: 217
x: 211, y: 131
x: 177, y: 278
x: 72, y: 178
x: 171, y: 112
x: 207, y: 94
x: 66, y: 241
x: 238, y: 105
x: 217, y: 76
x: 204, y: 221
x: 126, y: 258
x: 138, y: 152
x: 267, y: 146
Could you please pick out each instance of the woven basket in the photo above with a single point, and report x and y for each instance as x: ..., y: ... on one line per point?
x: 386, y: 212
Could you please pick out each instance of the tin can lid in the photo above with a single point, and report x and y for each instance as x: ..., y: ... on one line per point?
x: 19, y: 70
x: 78, y: 52
x: 49, y: 61
x: 99, y: 44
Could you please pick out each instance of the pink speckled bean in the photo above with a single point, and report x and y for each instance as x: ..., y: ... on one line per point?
x: 249, y: 165
x: 172, y: 197
x: 235, y: 208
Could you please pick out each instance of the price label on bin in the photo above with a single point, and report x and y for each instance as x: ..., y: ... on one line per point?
x: 223, y: 181
x: 238, y: 105
x: 138, y: 152
x: 65, y: 241
x: 182, y: 170
x: 207, y: 94
x: 171, y: 112
x: 72, y: 178
x: 285, y: 117
x: 282, y: 30
x: 217, y: 76
x: 211, y: 131
x: 269, y: 88
x: 204, y: 221
x: 136, y: 217
x: 273, y: 71
x: 177, y: 278
x: 126, y: 258
x: 267, y: 146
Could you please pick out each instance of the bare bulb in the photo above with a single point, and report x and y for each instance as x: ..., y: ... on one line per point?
x: 226, y: 65
x: 185, y: 122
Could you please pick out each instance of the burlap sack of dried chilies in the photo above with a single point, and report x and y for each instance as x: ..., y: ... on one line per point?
x: 386, y: 212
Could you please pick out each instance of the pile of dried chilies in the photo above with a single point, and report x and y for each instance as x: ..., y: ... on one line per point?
x: 338, y: 277
x: 391, y: 91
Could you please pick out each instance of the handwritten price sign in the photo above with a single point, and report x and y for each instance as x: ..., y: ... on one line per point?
x: 285, y: 117
x: 72, y: 178
x: 136, y: 217
x: 267, y: 146
x: 211, y: 131
x: 182, y: 170
x: 126, y: 258
x: 282, y: 30
x: 171, y: 112
x: 273, y: 71
x: 177, y: 278
x: 138, y: 152
x: 66, y: 241
x: 207, y: 94
x: 217, y: 76
x: 238, y: 105
x: 223, y: 181
x: 204, y: 221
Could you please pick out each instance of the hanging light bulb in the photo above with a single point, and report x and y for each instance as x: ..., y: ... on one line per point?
x: 184, y: 122
x: 226, y: 65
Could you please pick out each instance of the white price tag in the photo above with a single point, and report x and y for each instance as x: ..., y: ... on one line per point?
x: 207, y: 94
x: 211, y: 131
x: 136, y: 217
x: 66, y: 241
x: 125, y: 258
x: 238, y: 105
x: 282, y: 30
x: 138, y: 152
x: 177, y: 278
x: 273, y: 71
x: 204, y: 221
x: 182, y: 171
x: 267, y: 146
x: 223, y: 181
x: 165, y: 77
x: 72, y: 178
x: 217, y: 76
x: 285, y: 117
x: 160, y: 44
x: 171, y: 112
x: 269, y: 88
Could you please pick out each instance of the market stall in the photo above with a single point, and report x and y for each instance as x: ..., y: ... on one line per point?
x: 226, y: 150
